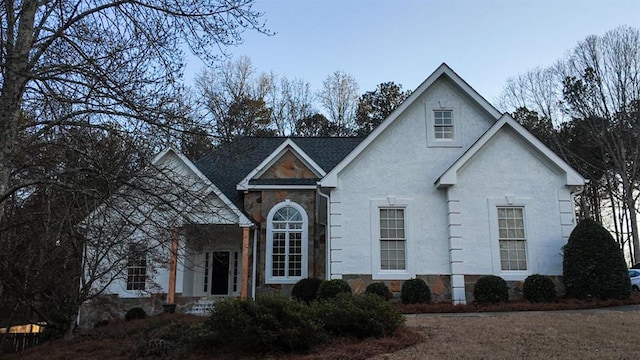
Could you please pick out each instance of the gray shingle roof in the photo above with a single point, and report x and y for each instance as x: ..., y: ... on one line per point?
x: 231, y: 162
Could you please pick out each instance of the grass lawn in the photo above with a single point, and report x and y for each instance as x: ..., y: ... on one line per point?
x: 525, y: 335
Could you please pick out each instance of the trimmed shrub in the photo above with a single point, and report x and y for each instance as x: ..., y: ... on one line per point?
x: 306, y: 289
x: 379, y: 288
x: 135, y: 313
x: 415, y: 291
x: 539, y: 288
x: 331, y: 288
x: 593, y: 264
x: 491, y: 289
x: 270, y: 323
x: 359, y: 316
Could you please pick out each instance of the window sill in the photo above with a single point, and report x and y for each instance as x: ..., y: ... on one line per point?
x: 514, y: 275
x: 275, y: 281
x: 444, y: 143
x: 392, y: 275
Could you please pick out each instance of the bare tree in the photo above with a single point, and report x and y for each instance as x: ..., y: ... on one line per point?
x: 592, y: 97
x: 233, y: 97
x: 602, y: 87
x: 118, y: 61
x: 538, y: 90
x: 93, y: 70
x: 339, y: 97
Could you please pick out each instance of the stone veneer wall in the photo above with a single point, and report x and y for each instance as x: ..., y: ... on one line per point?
x: 515, y: 287
x: 440, y: 285
x: 110, y: 307
x: 258, y: 204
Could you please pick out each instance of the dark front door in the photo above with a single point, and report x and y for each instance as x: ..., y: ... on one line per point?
x: 220, y: 273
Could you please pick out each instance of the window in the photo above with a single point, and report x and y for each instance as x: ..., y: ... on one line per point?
x: 392, y: 239
x: 286, y: 243
x: 443, y: 124
x: 136, y: 268
x: 512, y: 238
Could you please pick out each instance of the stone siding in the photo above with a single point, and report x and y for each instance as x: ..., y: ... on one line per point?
x: 440, y: 285
x: 515, y: 287
x: 258, y: 204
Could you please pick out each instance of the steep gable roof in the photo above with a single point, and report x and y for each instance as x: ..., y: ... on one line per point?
x: 230, y: 163
x: 449, y: 177
x: 243, y: 219
x: 330, y: 180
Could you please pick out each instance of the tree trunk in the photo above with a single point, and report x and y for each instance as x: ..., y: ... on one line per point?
x: 16, y: 75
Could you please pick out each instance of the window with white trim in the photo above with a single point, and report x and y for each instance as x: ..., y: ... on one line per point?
x: 136, y: 268
x: 392, y: 239
x: 286, y: 243
x: 443, y: 128
x: 512, y: 238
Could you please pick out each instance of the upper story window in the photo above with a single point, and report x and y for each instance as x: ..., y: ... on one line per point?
x: 286, y: 243
x: 443, y: 124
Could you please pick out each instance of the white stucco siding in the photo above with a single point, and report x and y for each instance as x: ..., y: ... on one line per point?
x: 506, y: 172
x: 398, y: 169
x: 196, y: 204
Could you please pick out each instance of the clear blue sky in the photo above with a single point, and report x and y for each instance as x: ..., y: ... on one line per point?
x: 376, y: 41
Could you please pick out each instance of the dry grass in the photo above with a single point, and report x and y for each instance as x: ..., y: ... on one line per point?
x: 525, y: 335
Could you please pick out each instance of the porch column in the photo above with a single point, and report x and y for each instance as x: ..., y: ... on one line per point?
x: 173, y: 266
x: 245, y: 263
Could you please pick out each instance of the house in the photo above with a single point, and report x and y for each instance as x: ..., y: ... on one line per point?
x: 446, y: 189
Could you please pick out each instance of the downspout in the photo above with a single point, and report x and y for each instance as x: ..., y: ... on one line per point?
x: 254, y: 271
x: 327, y: 233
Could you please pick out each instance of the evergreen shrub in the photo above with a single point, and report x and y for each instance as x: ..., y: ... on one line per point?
x: 491, y: 289
x: 306, y: 290
x: 415, y: 291
x: 135, y: 313
x: 269, y: 323
x: 379, y: 288
x: 358, y: 316
x: 331, y: 288
x: 539, y: 288
x: 593, y: 264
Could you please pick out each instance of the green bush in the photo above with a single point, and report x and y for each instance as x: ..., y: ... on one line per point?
x: 162, y: 337
x: 135, y: 313
x: 379, y: 288
x: 359, y: 316
x: 306, y: 289
x: 415, y: 291
x: 491, y: 290
x: 539, y: 288
x: 270, y: 323
x: 593, y: 264
x: 331, y: 288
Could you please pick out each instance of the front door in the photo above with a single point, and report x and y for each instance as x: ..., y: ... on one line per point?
x: 220, y: 273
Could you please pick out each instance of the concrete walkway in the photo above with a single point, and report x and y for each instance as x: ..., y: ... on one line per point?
x: 613, y: 309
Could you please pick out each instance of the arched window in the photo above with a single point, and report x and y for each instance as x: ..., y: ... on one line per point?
x: 286, y: 261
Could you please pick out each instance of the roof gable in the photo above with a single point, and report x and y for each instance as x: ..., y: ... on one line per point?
x: 271, y: 167
x: 230, y: 163
x: 450, y: 176
x: 158, y: 159
x: 330, y: 180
